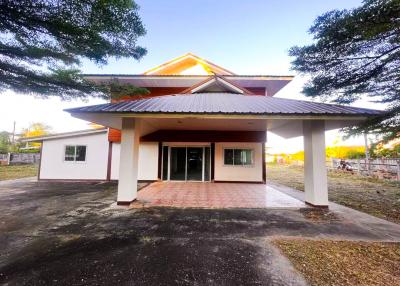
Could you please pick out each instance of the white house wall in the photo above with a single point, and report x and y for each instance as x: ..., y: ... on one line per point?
x: 148, y: 161
x: 53, y: 165
x: 252, y: 173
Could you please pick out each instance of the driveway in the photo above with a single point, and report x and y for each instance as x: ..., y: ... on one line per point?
x: 74, y: 234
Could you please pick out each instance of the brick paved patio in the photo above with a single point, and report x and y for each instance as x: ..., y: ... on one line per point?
x: 215, y: 195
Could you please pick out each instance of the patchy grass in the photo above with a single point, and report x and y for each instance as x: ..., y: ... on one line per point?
x: 18, y: 171
x: 326, y: 262
x: 377, y: 197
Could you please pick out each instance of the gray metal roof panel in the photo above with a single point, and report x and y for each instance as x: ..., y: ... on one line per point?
x: 225, y: 103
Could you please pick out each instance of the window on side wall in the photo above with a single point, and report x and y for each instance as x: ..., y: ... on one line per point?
x: 238, y: 157
x: 75, y: 153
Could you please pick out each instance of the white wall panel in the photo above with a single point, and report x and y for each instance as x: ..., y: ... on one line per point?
x: 53, y: 165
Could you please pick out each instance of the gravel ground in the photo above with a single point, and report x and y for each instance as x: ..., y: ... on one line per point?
x: 74, y: 234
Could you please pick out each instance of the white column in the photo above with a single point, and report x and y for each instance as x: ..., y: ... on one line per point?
x: 315, y: 175
x: 128, y: 163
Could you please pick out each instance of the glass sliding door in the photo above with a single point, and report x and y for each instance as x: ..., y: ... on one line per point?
x: 194, y: 164
x: 186, y: 163
x: 178, y: 164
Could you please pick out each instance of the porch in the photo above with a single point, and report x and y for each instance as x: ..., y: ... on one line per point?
x: 216, y: 195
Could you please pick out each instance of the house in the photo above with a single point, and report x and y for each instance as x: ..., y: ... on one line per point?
x: 200, y: 122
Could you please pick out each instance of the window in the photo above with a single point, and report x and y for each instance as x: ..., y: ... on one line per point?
x: 75, y: 153
x: 238, y: 157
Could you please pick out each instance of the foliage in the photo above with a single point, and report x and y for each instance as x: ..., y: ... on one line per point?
x: 34, y: 130
x: 5, y: 142
x: 298, y: 156
x: 36, y: 150
x: 377, y: 150
x: 43, y: 42
x: 356, y: 52
x: 342, y: 152
x: 118, y: 90
x: 345, y: 152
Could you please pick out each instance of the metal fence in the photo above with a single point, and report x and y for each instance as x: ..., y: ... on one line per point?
x: 380, y: 168
x: 19, y: 158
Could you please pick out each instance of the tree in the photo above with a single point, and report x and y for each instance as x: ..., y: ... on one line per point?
x: 42, y: 43
x: 118, y: 90
x: 356, y: 53
x: 36, y: 129
x: 5, y: 142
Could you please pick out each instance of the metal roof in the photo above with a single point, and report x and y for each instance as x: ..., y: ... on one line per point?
x: 224, y: 103
x: 64, y: 135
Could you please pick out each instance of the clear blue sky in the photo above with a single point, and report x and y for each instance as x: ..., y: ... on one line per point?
x: 244, y: 36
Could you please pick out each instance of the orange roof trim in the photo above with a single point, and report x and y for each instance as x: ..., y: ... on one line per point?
x: 182, y: 64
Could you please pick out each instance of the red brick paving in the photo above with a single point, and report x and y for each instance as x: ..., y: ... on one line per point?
x: 215, y: 195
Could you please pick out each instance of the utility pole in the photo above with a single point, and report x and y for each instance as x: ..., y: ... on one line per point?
x: 13, y: 134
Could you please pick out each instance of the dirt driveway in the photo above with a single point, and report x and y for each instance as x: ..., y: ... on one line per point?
x: 73, y: 234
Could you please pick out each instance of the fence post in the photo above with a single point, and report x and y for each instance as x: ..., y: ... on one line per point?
x: 358, y: 165
x: 8, y: 158
x: 398, y: 170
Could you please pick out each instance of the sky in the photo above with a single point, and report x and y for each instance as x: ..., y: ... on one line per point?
x: 246, y: 37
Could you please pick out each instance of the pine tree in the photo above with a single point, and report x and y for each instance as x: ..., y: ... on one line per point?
x: 42, y: 43
x: 356, y: 53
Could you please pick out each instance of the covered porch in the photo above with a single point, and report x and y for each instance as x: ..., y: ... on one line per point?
x: 187, y: 118
x: 215, y: 195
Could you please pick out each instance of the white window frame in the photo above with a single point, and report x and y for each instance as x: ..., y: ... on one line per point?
x: 74, y: 161
x: 233, y: 159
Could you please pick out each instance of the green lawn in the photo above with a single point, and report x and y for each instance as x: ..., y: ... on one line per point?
x: 326, y: 262
x: 377, y: 197
x: 18, y: 171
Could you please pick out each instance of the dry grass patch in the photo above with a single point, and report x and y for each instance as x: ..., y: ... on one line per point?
x: 326, y: 262
x: 18, y: 171
x: 377, y: 197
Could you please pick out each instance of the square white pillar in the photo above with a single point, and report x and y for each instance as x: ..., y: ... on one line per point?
x: 128, y: 163
x: 315, y: 174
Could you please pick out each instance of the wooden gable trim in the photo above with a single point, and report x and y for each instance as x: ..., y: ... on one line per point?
x: 181, y: 58
x: 216, y: 77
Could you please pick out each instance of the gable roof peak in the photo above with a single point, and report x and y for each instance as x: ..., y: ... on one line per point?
x: 188, y: 64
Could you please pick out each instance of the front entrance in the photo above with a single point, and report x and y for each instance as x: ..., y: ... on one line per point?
x: 186, y: 163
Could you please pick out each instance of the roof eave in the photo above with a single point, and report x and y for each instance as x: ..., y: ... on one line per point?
x: 63, y: 135
x: 304, y: 116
